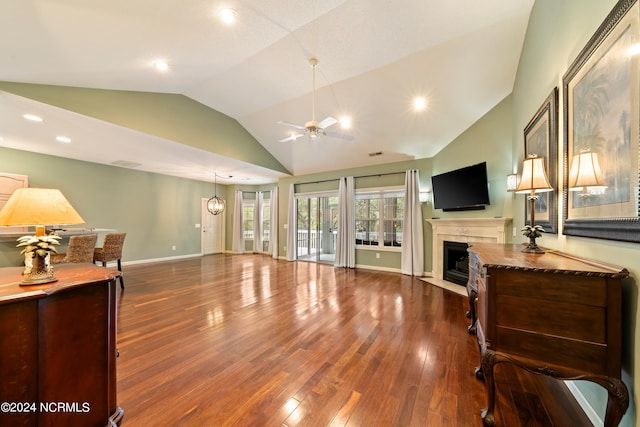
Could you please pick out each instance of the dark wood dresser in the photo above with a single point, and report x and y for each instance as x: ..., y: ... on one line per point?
x: 58, y: 349
x: 553, y: 314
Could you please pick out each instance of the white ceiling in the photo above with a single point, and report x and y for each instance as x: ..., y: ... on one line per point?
x: 375, y: 56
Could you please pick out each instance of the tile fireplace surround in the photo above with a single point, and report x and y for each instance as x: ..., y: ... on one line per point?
x: 466, y: 230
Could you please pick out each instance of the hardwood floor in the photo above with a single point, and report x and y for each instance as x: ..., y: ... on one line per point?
x: 245, y: 340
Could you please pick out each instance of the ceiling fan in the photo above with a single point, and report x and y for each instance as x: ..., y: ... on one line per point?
x: 313, y: 128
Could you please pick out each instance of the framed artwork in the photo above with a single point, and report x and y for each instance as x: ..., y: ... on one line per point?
x: 541, y: 139
x: 601, y: 120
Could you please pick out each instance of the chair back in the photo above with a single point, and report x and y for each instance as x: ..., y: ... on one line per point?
x: 111, y: 247
x: 80, y: 248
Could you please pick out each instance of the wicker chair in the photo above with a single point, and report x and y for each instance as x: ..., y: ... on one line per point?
x: 111, y: 250
x: 80, y: 249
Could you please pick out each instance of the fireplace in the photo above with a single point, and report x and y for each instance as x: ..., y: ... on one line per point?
x: 464, y: 230
x: 455, y: 262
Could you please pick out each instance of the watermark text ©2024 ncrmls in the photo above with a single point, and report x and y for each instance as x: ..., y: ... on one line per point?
x: 50, y: 407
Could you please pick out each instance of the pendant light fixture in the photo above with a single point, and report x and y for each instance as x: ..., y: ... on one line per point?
x: 215, y: 205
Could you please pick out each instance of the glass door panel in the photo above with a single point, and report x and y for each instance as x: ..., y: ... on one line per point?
x: 317, y: 219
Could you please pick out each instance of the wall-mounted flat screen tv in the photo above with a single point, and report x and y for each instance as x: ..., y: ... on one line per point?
x: 461, y: 189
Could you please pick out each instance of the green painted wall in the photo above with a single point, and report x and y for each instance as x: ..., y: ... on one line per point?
x: 488, y: 140
x: 156, y: 211
x: 557, y: 31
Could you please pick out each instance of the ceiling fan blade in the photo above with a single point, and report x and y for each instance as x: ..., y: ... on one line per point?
x: 339, y: 136
x: 329, y: 121
x: 292, y: 137
x: 292, y: 125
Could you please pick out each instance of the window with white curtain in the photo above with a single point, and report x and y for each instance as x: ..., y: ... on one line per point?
x: 248, y: 208
x: 266, y: 223
x: 378, y: 218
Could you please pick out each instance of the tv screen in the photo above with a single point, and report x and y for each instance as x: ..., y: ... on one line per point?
x: 461, y: 189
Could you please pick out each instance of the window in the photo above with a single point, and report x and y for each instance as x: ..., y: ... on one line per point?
x: 379, y: 218
x: 247, y: 219
x: 256, y: 218
x: 266, y: 224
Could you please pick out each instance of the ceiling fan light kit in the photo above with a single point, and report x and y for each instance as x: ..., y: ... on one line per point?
x: 313, y: 128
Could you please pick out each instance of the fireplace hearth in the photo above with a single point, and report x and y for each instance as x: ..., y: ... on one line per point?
x: 455, y: 262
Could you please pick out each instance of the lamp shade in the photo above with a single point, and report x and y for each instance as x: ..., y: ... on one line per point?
x: 37, y: 207
x: 534, y: 178
x: 585, y: 172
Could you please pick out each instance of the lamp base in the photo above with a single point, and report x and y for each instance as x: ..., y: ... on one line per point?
x: 38, y: 271
x: 38, y: 278
x: 532, y: 248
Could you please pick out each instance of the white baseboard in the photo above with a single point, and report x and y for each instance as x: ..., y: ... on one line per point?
x: 146, y: 261
x: 378, y: 268
x: 584, y: 404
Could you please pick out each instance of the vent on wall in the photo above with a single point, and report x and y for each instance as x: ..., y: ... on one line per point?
x: 377, y: 153
x: 126, y: 164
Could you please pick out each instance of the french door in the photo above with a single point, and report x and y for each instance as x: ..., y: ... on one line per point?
x: 316, y: 228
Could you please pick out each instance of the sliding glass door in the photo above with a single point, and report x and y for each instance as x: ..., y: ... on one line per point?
x: 316, y: 227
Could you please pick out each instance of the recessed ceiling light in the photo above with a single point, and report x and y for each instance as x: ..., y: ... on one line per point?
x: 227, y: 15
x: 345, y: 122
x: 419, y: 103
x: 32, y: 117
x: 63, y: 139
x: 160, y: 65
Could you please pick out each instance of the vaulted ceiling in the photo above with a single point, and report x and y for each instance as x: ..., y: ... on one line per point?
x: 374, y: 58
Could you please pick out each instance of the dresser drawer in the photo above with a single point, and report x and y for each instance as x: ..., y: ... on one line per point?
x: 559, y: 318
x: 550, y: 349
x: 548, y: 287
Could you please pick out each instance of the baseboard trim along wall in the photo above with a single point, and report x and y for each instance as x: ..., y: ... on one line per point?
x: 146, y: 261
x: 584, y: 404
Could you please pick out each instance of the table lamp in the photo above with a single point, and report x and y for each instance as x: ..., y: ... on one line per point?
x: 38, y: 207
x: 534, y: 180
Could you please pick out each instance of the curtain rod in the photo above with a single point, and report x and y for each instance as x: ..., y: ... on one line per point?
x: 338, y: 179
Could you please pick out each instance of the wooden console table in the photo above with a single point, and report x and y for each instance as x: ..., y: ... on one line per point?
x: 58, y: 348
x: 552, y: 314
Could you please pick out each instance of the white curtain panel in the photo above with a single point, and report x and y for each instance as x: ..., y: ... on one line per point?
x: 257, y: 222
x: 412, y: 239
x: 237, y: 245
x: 346, y: 237
x: 291, y: 220
x: 273, y: 234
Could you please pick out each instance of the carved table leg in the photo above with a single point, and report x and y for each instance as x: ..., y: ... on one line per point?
x: 472, y: 311
x: 478, y: 372
x: 488, y: 361
x: 618, y: 400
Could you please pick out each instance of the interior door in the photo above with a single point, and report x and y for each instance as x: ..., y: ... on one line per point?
x: 211, y: 231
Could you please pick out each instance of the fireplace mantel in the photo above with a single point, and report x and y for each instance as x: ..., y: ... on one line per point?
x: 466, y: 230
